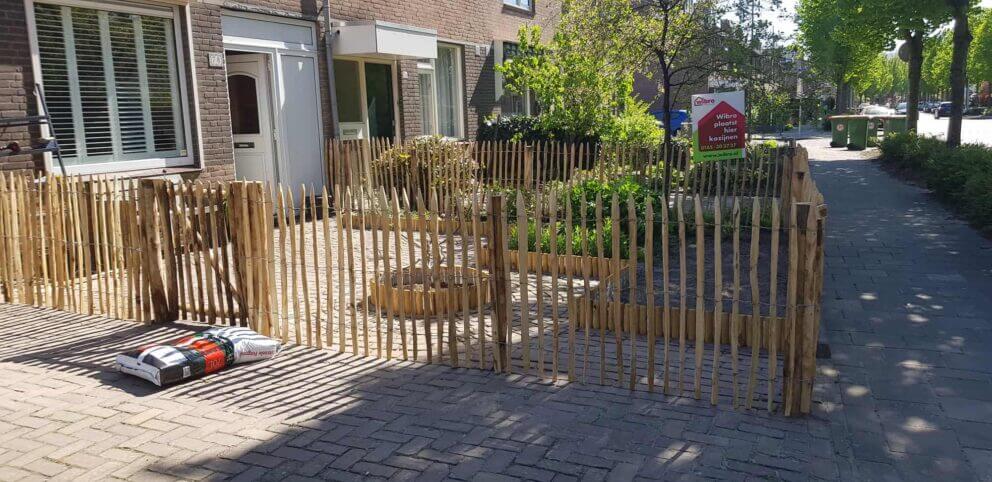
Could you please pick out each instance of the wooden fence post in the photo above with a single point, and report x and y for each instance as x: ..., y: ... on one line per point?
x: 499, y: 286
x: 159, y: 271
x: 794, y: 371
x: 528, y: 165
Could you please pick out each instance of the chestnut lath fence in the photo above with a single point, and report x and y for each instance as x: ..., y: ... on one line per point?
x: 514, y: 258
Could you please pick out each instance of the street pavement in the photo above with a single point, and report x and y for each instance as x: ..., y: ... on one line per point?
x: 973, y: 131
x: 907, y: 307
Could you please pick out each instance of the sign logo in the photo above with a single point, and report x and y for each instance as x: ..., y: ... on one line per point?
x: 719, y: 126
x: 840, y: 127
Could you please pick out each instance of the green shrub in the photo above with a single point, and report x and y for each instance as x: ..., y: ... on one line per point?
x: 962, y: 176
x: 634, y: 127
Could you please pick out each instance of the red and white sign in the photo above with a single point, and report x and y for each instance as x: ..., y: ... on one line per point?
x: 719, y: 126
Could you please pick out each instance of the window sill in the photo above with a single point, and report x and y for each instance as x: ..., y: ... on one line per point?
x: 519, y: 10
x: 138, y: 173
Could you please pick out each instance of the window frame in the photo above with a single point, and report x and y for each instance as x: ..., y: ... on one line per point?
x: 429, y: 66
x: 515, y: 4
x: 122, y: 163
x: 501, y: 83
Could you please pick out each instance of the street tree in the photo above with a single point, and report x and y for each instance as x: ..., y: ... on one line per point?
x: 959, y: 67
x: 882, y: 22
x: 833, y: 52
x: 980, y: 58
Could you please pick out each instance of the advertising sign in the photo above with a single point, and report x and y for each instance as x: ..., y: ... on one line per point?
x: 719, y: 129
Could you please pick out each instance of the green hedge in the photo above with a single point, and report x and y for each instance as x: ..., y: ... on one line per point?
x: 962, y: 177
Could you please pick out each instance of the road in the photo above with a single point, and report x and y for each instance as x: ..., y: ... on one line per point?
x: 972, y: 130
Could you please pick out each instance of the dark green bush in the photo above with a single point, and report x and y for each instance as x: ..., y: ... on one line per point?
x: 962, y: 177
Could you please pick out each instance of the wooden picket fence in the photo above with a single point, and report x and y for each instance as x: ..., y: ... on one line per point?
x: 715, y: 289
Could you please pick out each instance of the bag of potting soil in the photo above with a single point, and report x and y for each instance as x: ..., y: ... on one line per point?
x: 197, y: 355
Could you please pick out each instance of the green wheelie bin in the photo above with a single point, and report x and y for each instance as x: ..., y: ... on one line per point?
x: 873, y: 124
x: 838, y: 129
x: 857, y: 132
x: 893, y: 124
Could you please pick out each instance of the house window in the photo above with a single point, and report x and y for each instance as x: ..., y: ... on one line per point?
x: 521, y: 4
x: 111, y: 82
x: 513, y: 103
x: 441, y: 92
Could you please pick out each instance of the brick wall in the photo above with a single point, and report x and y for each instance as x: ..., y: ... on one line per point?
x: 16, y: 82
x: 464, y: 22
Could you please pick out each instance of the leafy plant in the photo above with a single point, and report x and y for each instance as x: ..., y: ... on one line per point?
x: 962, y: 176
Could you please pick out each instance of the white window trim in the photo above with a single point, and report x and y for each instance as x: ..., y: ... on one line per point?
x: 515, y: 4
x: 398, y: 134
x: 423, y: 67
x: 501, y: 81
x: 164, y: 11
x: 310, y: 47
x: 276, y: 51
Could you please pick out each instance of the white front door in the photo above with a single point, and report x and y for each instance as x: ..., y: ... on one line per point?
x: 251, y: 117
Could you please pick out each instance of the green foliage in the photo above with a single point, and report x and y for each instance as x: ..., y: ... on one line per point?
x: 438, y: 159
x: 961, y: 176
x: 937, y: 53
x: 832, y: 46
x: 980, y: 57
x: 634, y: 127
x: 579, y: 89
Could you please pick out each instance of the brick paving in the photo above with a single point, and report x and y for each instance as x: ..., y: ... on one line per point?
x: 907, y: 311
x: 906, y: 395
x: 65, y: 413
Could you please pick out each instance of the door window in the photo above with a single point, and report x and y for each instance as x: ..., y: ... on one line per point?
x: 379, y: 98
x: 347, y: 86
x: 243, y: 95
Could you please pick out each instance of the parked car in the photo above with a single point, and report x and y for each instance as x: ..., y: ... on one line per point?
x: 679, y: 117
x: 876, y: 110
x: 944, y: 109
x: 901, y: 108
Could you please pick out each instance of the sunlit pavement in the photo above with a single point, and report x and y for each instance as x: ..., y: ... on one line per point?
x: 973, y: 131
x: 908, y: 317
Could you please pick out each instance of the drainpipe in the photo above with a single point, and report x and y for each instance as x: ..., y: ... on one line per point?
x: 328, y: 38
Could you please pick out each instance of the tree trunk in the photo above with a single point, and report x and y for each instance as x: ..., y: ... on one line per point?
x: 666, y: 103
x: 840, y: 107
x: 959, y: 69
x: 915, y: 41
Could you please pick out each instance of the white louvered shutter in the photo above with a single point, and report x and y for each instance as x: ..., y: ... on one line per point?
x: 111, y: 83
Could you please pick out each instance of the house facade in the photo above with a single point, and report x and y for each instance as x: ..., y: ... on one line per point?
x: 223, y: 90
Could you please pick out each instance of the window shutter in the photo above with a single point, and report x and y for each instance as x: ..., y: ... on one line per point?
x: 92, y: 82
x: 131, y: 90
x: 56, y: 75
x: 111, y: 83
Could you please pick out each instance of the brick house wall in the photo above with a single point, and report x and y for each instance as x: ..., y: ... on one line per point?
x: 16, y: 81
x: 468, y: 23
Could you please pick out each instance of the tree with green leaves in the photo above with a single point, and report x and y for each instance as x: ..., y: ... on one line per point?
x: 833, y: 51
x: 578, y: 87
x: 936, y: 71
x: 961, y: 39
x: 881, y: 23
x: 980, y: 57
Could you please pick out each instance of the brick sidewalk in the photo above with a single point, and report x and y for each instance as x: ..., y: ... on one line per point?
x: 312, y: 414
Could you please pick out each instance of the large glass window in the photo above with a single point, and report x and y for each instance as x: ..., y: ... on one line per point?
x: 111, y: 83
x: 441, y: 92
